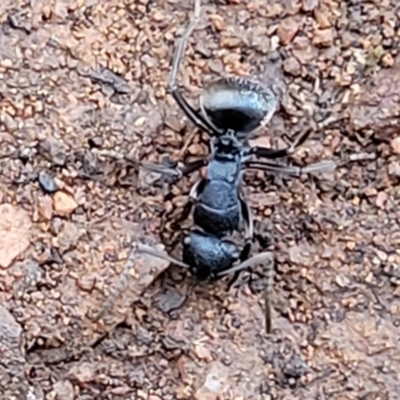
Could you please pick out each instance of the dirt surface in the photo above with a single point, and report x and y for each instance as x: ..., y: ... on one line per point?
x: 80, y: 78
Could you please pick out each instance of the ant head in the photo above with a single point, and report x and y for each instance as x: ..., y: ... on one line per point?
x: 227, y: 145
x: 239, y: 105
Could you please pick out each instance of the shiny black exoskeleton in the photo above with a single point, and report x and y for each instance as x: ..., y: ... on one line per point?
x: 219, y: 210
x: 231, y: 110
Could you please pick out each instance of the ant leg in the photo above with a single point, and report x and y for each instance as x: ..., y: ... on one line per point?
x: 181, y: 44
x: 263, y: 152
x: 194, y: 116
x: 322, y: 166
x: 142, y: 248
x: 194, y: 193
x: 177, y: 172
x: 249, y: 228
x: 130, y: 262
x: 249, y: 234
x: 245, y: 262
x: 265, y: 257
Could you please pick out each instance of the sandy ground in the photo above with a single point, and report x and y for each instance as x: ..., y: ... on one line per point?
x: 80, y: 78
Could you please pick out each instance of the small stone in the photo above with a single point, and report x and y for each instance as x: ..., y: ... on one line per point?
x: 202, y: 353
x: 381, y: 199
x: 140, y: 121
x: 64, y: 390
x: 204, y: 394
x: 6, y: 63
x: 295, y: 367
x: 45, y: 207
x: 322, y: 19
x: 96, y: 141
x: 39, y: 106
x: 382, y: 255
x: 195, y: 149
x: 148, y: 61
x: 388, y: 32
x: 342, y: 281
x: 68, y: 237
x: 387, y: 60
x: 292, y: 66
x: 396, y: 145
x: 122, y: 391
x: 64, y: 204
x: 287, y: 30
x: 394, y: 169
x: 87, y: 282
x: 170, y: 300
x: 323, y: 37
x: 47, y: 182
x: 83, y: 372
x: 214, y: 384
x: 15, y: 233
x: 309, y: 5
x: 9, y: 122
x: 217, y: 22
x: 158, y: 16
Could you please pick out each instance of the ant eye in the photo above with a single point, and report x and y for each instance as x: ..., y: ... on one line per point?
x: 238, y: 104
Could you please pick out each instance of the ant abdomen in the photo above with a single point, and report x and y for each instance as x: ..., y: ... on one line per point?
x: 237, y: 104
x: 208, y: 255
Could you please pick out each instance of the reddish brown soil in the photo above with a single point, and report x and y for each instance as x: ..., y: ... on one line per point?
x: 79, y: 77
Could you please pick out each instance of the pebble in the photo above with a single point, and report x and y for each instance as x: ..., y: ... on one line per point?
x: 47, y: 182
x: 396, y: 145
x: 387, y: 60
x: 322, y: 19
x: 381, y: 199
x: 68, y: 237
x: 64, y: 204
x: 292, y: 66
x: 6, y: 63
x: 323, y: 37
x: 45, y: 207
x: 15, y: 233
x: 64, y: 390
x: 96, y: 141
x: 309, y: 5
x: 287, y: 30
x: 9, y: 122
x: 394, y: 169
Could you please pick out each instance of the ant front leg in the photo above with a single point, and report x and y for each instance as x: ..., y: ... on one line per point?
x: 194, y: 115
x: 174, y: 174
x: 271, y: 154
